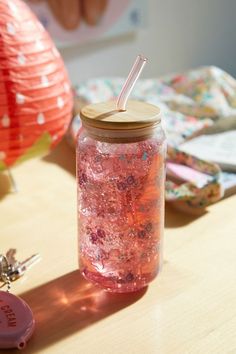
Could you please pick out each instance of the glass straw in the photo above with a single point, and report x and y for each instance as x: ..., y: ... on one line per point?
x: 130, y: 82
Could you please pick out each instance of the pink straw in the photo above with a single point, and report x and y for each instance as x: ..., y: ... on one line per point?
x: 130, y: 82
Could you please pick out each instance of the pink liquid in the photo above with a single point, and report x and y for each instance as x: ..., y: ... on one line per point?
x: 120, y: 211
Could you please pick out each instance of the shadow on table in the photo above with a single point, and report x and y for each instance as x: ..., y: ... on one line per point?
x: 64, y: 156
x: 178, y: 218
x: 69, y: 304
x: 5, y: 185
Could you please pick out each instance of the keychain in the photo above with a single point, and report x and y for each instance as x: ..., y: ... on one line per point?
x: 16, y: 318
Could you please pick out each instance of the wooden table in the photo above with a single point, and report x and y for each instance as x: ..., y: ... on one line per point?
x: 190, y: 308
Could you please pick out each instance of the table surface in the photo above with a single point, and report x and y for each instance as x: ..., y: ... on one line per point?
x: 190, y: 308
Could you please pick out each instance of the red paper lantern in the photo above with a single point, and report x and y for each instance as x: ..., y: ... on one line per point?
x: 35, y: 93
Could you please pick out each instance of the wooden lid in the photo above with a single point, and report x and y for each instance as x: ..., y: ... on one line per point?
x: 106, y: 116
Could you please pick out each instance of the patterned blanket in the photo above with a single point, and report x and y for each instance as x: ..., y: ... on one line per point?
x: 202, y: 100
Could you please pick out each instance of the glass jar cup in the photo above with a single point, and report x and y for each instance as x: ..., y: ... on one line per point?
x: 120, y: 178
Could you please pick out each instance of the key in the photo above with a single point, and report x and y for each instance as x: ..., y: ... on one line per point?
x: 4, y: 266
x: 4, y: 269
x: 20, y: 269
x: 10, y: 255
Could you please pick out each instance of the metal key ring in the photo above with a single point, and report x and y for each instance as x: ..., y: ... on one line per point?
x: 4, y: 266
x: 4, y: 269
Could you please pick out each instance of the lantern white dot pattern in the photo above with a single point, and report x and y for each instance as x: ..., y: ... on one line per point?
x: 20, y: 99
x: 21, y: 59
x: 55, y: 137
x: 5, y: 121
x: 12, y: 6
x: 44, y: 80
x: 2, y: 155
x: 39, y: 44
x: 60, y: 102
x: 11, y: 28
x: 40, y: 118
x: 66, y: 87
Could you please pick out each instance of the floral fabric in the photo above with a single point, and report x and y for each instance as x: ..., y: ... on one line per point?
x: 190, y: 102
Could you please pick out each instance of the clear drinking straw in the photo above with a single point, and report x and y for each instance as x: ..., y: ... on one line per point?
x: 130, y: 82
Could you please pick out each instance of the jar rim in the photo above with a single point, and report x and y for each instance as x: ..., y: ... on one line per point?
x: 121, y: 135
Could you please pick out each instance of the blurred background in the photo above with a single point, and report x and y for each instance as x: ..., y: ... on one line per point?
x: 178, y: 35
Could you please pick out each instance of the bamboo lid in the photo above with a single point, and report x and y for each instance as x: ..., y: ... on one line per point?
x: 106, y: 116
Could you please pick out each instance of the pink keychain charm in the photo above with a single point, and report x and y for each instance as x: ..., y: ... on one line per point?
x: 16, y: 318
x: 16, y: 321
